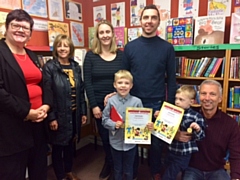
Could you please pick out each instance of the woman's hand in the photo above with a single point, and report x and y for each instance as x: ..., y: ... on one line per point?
x: 36, y: 115
x: 53, y: 125
x: 84, y: 119
x: 97, y: 113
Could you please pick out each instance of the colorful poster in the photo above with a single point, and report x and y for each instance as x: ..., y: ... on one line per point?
x: 134, y: 33
x: 55, y: 10
x: 188, y: 8
x: 118, y: 14
x: 73, y: 10
x: 219, y: 7
x: 168, y: 122
x: 136, y: 7
x: 55, y: 28
x: 35, y: 7
x: 77, y: 33
x: 99, y: 14
x: 79, y: 55
x: 120, y: 34
x: 164, y: 8
x: 3, y: 16
x: 136, y: 131
x: 10, y: 4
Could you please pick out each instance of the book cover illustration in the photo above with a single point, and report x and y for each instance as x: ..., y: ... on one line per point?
x: 167, y: 122
x: 180, y: 31
x: 235, y: 29
x: 136, y: 131
x: 134, y: 33
x: 118, y: 14
x: 55, y: 28
x: 120, y: 34
x: 188, y: 8
x: 209, y: 30
x: 91, y: 32
x: 219, y: 7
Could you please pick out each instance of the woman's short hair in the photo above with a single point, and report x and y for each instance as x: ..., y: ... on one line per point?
x: 19, y: 15
x: 96, y: 46
x: 59, y: 39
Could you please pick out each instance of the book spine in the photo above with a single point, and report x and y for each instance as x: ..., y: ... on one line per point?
x: 202, y: 66
x: 210, y: 67
x: 223, y: 67
x: 216, y: 67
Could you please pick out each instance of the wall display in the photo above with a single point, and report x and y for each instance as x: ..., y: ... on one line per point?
x: 77, y: 33
x: 121, y: 36
x: 91, y: 32
x: 219, y: 7
x: 73, y: 10
x: 237, y: 2
x: 3, y: 16
x: 118, y: 14
x: 36, y: 7
x: 235, y: 29
x: 55, y: 28
x: 161, y: 30
x: 10, y: 4
x: 55, y: 10
x: 164, y: 8
x: 134, y: 33
x: 209, y: 30
x: 79, y: 55
x: 40, y: 25
x: 188, y: 8
x: 99, y: 14
x: 136, y: 7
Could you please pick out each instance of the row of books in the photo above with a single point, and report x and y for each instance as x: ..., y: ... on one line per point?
x: 234, y: 68
x: 234, y: 97
x: 204, y: 67
x: 236, y: 117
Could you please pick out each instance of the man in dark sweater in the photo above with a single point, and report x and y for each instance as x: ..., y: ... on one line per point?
x: 151, y: 60
x: 222, y: 134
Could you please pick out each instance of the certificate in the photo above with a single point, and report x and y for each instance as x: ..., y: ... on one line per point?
x: 136, y: 131
x: 167, y: 122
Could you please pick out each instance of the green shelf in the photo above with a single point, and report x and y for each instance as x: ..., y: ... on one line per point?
x: 208, y: 47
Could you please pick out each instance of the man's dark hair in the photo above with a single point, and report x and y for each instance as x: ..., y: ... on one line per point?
x: 151, y: 6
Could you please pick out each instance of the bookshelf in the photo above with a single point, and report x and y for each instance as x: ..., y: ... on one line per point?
x: 213, y: 50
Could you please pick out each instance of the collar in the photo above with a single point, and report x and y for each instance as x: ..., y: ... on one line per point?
x: 121, y: 99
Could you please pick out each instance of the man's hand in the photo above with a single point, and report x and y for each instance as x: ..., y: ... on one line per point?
x: 53, y: 125
x: 182, y: 136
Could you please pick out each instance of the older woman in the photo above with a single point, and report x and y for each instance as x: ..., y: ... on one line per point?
x: 69, y: 109
x: 23, y: 105
x: 99, y: 67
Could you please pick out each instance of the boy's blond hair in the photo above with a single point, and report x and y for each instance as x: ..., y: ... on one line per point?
x: 187, y: 90
x: 123, y: 74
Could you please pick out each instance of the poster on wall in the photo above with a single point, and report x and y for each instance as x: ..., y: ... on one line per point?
x: 219, y: 7
x: 136, y: 7
x: 188, y: 8
x: 55, y: 28
x: 99, y: 14
x: 118, y: 14
x: 73, y: 10
x: 77, y: 33
x: 35, y: 8
x: 55, y: 10
x: 13, y: 4
x: 164, y: 8
x: 237, y: 2
x: 3, y: 16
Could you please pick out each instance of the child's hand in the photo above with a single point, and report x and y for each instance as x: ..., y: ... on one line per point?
x: 156, y: 114
x: 118, y: 124
x: 195, y: 126
x: 150, y: 126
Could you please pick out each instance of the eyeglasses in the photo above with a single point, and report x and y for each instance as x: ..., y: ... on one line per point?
x: 18, y: 26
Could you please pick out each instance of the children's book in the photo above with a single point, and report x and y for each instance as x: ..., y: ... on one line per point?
x: 114, y: 115
x: 136, y: 130
x: 180, y: 31
x: 235, y: 29
x: 134, y: 33
x: 121, y: 36
x: 168, y: 122
x: 209, y: 30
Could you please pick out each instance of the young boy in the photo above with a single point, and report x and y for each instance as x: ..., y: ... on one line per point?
x: 123, y: 154
x: 180, y: 152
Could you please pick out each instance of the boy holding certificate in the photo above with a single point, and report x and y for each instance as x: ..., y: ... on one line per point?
x: 180, y: 152
x: 123, y: 154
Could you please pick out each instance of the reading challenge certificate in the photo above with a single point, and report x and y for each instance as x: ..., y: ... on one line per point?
x: 167, y: 122
x: 136, y: 131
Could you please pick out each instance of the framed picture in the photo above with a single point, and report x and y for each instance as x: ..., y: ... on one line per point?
x: 13, y: 4
x: 55, y: 10
x: 55, y: 28
x: 35, y: 8
x: 77, y: 33
x: 73, y: 10
x: 99, y: 14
